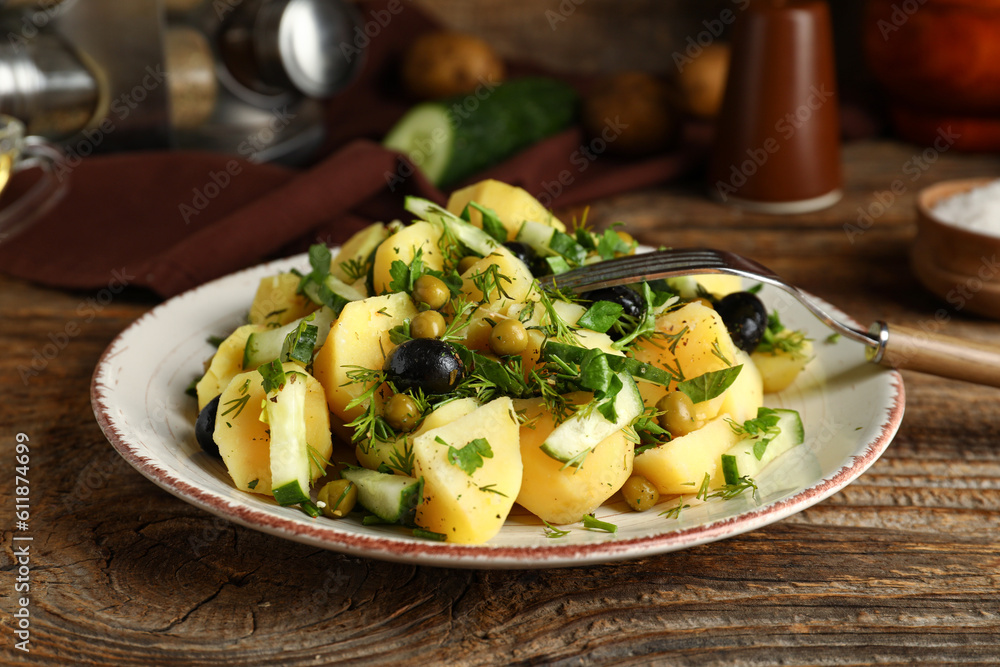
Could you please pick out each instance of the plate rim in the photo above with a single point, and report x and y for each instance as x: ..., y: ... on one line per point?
x: 483, y: 556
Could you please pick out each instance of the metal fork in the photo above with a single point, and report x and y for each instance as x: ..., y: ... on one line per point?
x: 896, y: 346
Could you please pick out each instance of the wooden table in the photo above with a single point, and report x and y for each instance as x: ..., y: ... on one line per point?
x: 901, y: 567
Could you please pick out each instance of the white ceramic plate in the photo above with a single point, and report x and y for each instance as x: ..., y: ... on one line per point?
x: 850, y: 409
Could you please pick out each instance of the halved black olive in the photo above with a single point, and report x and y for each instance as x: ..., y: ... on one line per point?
x: 745, y: 318
x: 204, y: 428
x: 424, y: 363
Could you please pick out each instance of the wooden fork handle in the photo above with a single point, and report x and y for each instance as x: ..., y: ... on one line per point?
x: 926, y: 352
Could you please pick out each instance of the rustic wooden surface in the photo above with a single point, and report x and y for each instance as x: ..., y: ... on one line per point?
x: 902, y: 567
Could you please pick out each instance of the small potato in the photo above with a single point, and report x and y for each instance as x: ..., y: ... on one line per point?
x: 632, y: 112
x: 444, y: 64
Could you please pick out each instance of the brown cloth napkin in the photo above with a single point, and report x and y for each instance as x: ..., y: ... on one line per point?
x: 170, y: 221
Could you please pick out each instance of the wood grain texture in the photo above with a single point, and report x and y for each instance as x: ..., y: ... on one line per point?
x: 902, y: 567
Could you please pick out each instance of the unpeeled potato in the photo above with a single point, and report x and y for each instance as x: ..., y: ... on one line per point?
x: 631, y: 112
x: 443, y: 64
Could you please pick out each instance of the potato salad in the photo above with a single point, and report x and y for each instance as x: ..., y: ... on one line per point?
x: 464, y: 387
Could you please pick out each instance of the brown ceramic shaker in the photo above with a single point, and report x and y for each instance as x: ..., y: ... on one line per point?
x: 777, y: 145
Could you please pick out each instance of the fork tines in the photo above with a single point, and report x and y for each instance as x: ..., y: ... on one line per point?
x: 643, y: 266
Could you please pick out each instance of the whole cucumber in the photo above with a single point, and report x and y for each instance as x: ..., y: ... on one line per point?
x: 453, y: 139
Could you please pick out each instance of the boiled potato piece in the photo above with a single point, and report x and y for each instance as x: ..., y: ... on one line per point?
x: 679, y: 466
x: 403, y: 246
x: 558, y: 493
x: 778, y: 369
x: 243, y: 438
x: 277, y: 301
x: 746, y: 394
x: 697, y: 329
x: 359, y: 337
x: 225, y: 364
x: 357, y: 249
x: 371, y: 455
x: 469, y: 508
x: 716, y: 284
x: 512, y: 205
x: 516, y: 289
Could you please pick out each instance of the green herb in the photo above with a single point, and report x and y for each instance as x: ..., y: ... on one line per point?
x: 238, y: 405
x: 215, y: 341
x: 645, y: 431
x: 702, y: 493
x: 369, y: 425
x: 591, y: 522
x: 675, y: 511
x: 489, y: 282
x: 832, y: 339
x: 273, y: 376
x: 709, y: 385
x: 777, y: 338
x: 491, y: 223
x: 429, y: 535
x: 373, y: 520
x: 764, y: 427
x: 470, y: 457
x: 405, y: 275
x: 756, y: 288
x: 355, y: 269
x: 317, y: 459
x: 403, y: 461
x: 253, y: 484
x: 601, y: 316
x: 192, y: 388
x: 611, y: 244
x: 729, y: 491
x: 310, y: 508
x: 565, y: 245
x: 319, y: 261
x: 553, y: 532
x: 557, y: 328
x: 489, y: 489
x: 400, y: 333
x: 717, y: 351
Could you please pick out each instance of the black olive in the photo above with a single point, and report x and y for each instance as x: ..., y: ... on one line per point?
x: 424, y: 363
x: 204, y: 428
x: 745, y: 318
x: 523, y: 252
x: 630, y: 300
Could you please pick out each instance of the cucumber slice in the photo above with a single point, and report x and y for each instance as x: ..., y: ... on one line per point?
x: 549, y: 241
x: 285, y: 409
x: 740, y: 460
x: 263, y: 347
x: 334, y: 293
x: 537, y: 236
x: 392, y: 498
x: 426, y: 136
x: 469, y: 235
x: 456, y: 138
x: 579, y: 434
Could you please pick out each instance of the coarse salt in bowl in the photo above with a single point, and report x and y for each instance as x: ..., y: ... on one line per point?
x: 956, y: 254
x: 976, y: 210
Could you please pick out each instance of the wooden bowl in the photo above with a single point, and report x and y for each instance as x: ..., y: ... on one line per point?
x: 959, y: 265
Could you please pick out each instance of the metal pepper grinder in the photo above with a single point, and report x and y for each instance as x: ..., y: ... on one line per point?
x: 103, y: 75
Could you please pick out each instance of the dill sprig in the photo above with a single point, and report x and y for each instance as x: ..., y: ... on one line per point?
x: 551, y: 531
